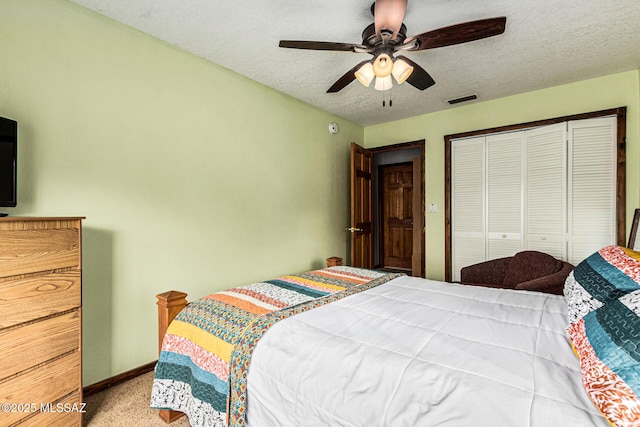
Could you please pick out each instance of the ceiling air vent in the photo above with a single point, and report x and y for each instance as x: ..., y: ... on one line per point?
x: 463, y: 99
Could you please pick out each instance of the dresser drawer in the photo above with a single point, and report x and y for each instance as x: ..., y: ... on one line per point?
x: 67, y: 416
x: 47, y: 384
x: 26, y: 346
x: 34, y: 251
x: 30, y: 298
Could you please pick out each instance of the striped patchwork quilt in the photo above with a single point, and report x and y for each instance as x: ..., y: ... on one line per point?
x: 603, y: 302
x: 203, y: 364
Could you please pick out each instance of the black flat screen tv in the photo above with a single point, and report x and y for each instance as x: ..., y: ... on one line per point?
x: 8, y: 162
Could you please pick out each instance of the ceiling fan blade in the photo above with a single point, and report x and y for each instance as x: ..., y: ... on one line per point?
x: 311, y: 45
x: 459, y: 33
x: 347, y: 78
x: 388, y: 15
x: 419, y: 78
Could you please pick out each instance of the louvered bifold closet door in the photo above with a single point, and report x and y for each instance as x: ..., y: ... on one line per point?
x: 592, y: 187
x: 545, y: 183
x: 468, y: 203
x: 504, y: 194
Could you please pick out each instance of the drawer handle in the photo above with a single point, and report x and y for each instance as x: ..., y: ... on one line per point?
x: 543, y: 238
x: 504, y: 236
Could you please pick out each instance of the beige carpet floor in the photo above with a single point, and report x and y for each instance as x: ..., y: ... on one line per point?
x: 126, y: 405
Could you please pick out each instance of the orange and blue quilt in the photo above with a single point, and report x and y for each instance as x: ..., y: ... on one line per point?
x: 603, y: 304
x: 202, y: 368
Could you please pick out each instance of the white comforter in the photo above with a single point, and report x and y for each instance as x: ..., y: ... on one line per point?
x: 414, y: 352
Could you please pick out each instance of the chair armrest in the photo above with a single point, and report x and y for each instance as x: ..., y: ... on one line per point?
x: 551, y: 284
x: 490, y: 272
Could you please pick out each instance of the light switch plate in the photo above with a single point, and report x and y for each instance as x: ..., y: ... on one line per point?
x: 433, y: 207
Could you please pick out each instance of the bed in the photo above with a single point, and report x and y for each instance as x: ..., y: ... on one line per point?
x: 375, y: 349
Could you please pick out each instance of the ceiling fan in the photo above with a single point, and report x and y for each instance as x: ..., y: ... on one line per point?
x: 387, y: 36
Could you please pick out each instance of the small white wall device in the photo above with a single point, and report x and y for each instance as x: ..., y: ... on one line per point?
x: 333, y: 128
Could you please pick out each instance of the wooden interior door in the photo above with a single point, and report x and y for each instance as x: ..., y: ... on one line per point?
x: 361, y: 207
x: 397, y: 216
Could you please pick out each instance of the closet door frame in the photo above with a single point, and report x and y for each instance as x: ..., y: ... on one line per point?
x: 621, y: 115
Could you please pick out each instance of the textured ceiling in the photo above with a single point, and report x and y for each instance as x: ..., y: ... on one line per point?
x: 546, y: 43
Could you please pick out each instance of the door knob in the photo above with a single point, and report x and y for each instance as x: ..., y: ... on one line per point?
x: 353, y: 229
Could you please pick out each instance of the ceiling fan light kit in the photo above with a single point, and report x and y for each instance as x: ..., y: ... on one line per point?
x: 365, y: 74
x: 383, y: 65
x: 401, y: 70
x: 383, y: 83
x: 387, y: 36
x: 381, y: 69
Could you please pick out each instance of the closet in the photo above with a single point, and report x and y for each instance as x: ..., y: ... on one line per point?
x: 551, y: 188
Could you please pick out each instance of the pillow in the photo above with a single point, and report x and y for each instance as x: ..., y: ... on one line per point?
x: 606, y: 275
x: 607, y: 341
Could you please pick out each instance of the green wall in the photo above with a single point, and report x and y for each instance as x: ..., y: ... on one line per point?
x: 590, y: 95
x: 190, y: 177
x: 194, y: 178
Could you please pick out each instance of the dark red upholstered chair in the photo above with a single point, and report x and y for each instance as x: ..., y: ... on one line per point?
x: 527, y: 270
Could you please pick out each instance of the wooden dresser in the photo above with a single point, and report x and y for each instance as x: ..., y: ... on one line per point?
x: 40, y: 321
